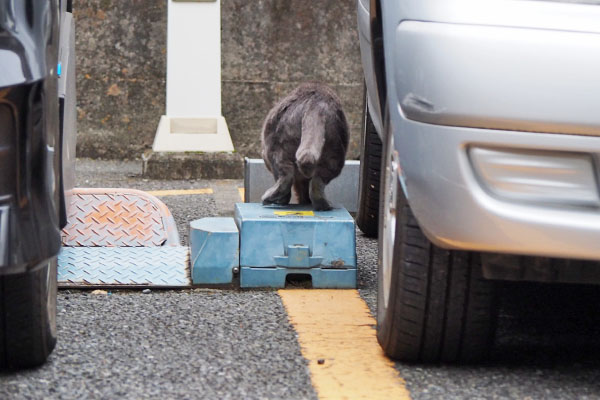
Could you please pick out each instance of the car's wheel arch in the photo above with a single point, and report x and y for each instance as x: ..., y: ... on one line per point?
x: 378, y: 100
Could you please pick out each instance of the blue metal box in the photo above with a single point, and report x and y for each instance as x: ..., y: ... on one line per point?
x: 277, y: 241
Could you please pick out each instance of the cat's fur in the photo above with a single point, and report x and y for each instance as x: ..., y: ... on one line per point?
x: 304, y: 142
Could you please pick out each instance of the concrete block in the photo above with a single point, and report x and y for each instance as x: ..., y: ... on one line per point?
x: 214, y: 250
x: 192, y: 165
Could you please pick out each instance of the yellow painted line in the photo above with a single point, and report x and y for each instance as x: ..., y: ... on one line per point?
x: 335, y: 328
x: 184, y: 192
x: 242, y: 192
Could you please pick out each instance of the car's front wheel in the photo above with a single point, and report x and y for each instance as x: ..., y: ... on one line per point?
x: 28, y: 316
x: 433, y: 304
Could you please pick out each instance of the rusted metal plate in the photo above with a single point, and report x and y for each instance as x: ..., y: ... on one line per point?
x: 88, y: 267
x: 118, y: 218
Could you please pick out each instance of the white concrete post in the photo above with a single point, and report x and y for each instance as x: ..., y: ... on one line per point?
x: 193, y: 120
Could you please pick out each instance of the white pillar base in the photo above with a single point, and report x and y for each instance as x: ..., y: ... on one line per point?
x: 203, y: 134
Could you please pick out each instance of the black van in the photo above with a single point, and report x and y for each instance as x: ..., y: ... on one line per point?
x: 37, y: 137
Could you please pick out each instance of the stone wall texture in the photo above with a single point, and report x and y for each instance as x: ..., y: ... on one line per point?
x: 121, y: 61
x: 268, y: 47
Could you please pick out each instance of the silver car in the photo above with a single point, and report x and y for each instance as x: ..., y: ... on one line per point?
x: 485, y: 116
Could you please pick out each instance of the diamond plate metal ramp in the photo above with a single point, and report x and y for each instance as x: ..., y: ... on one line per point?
x: 122, y: 238
x: 118, y: 217
x: 89, y: 267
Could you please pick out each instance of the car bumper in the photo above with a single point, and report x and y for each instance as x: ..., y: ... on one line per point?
x: 493, y: 110
x: 29, y: 231
x: 458, y: 206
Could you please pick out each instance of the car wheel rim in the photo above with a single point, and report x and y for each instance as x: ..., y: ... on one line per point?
x: 389, y: 217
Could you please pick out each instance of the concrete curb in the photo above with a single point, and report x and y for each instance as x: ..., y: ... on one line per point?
x: 159, y: 165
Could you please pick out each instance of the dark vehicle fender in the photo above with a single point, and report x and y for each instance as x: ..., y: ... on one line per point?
x: 26, y: 37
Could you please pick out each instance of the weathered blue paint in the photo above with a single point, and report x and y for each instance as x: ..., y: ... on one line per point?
x: 322, y: 245
x: 214, y: 250
x: 275, y: 277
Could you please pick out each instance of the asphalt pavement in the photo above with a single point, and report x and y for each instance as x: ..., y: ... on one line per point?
x: 232, y: 344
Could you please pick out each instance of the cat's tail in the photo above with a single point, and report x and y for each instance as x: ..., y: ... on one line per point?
x: 311, y: 143
x: 306, y: 160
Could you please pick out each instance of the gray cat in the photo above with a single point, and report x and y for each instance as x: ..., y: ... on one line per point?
x: 304, y: 142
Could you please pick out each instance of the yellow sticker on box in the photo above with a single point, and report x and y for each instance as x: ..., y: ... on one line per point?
x: 295, y: 213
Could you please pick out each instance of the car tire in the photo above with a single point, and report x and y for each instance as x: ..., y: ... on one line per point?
x: 367, y: 216
x: 28, y: 316
x: 433, y: 304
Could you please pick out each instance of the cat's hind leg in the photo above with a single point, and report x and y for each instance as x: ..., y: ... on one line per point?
x: 281, y: 192
x: 302, y: 189
x: 317, y: 195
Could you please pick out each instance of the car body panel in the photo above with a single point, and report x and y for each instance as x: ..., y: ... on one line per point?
x: 30, y: 196
x: 471, y: 68
x: 68, y: 96
x: 31, y: 142
x: 497, y: 77
x: 26, y: 29
x: 364, y: 29
x: 577, y: 16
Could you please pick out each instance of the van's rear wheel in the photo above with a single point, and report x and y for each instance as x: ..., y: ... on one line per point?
x: 28, y: 317
x: 433, y: 304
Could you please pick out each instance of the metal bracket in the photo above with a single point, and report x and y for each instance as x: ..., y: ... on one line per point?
x: 298, y: 256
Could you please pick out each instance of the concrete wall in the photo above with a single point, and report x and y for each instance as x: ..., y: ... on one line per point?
x: 121, y: 61
x: 268, y: 47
